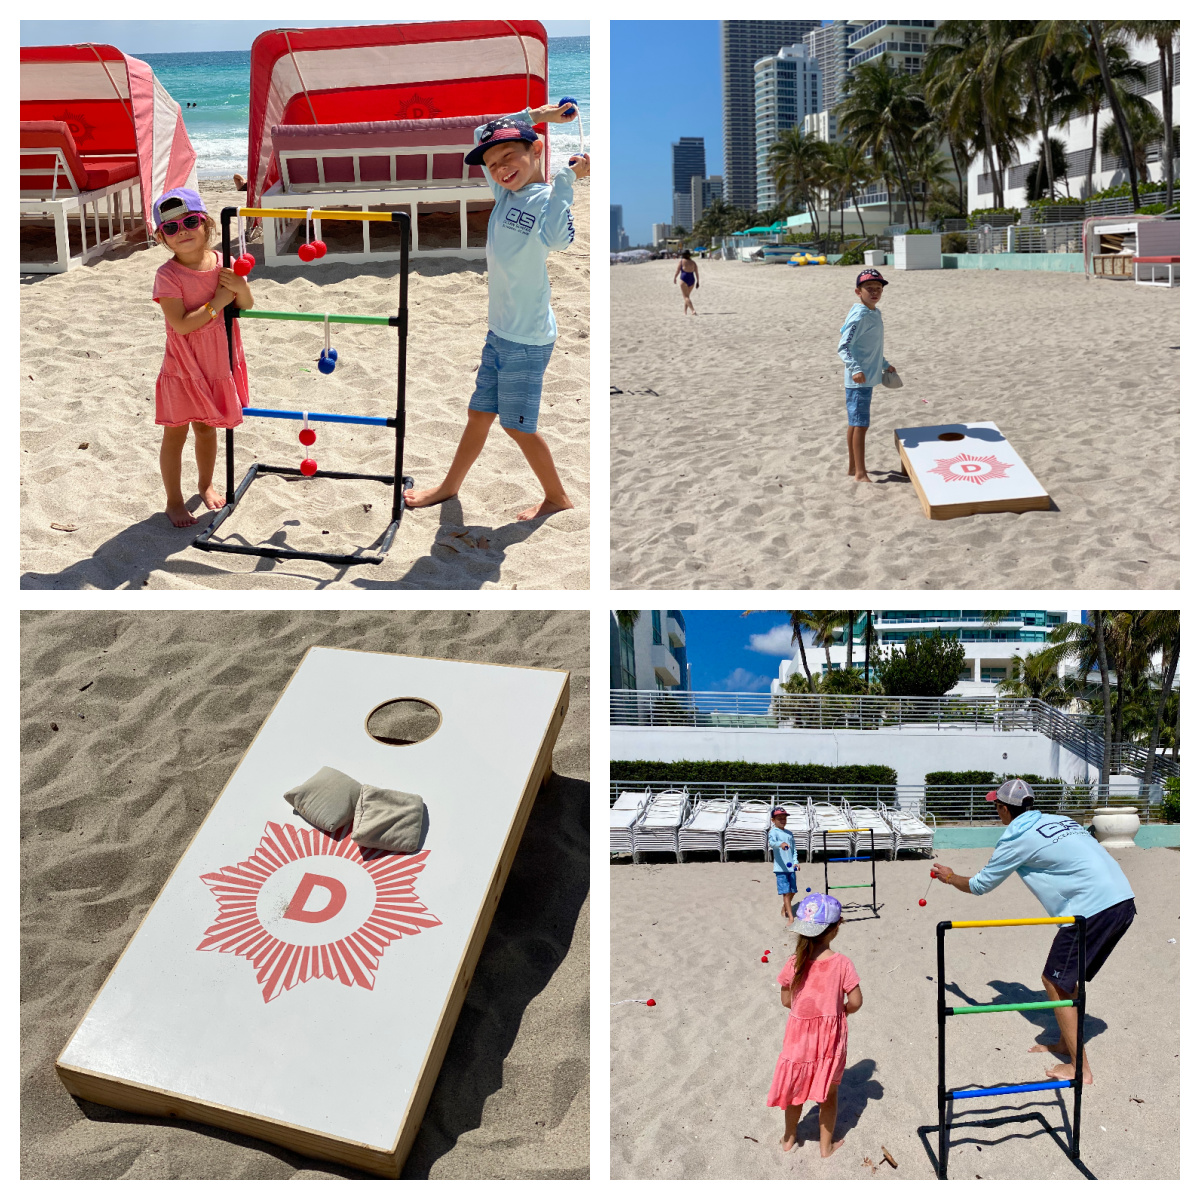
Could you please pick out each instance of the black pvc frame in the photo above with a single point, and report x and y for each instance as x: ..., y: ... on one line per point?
x: 397, y: 481
x: 853, y: 858
x: 946, y: 1100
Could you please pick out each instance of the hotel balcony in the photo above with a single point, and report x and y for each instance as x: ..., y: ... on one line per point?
x: 866, y: 32
x: 665, y: 666
x: 675, y: 629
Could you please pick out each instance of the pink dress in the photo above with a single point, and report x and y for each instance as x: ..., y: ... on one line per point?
x: 196, y: 382
x: 814, y: 1043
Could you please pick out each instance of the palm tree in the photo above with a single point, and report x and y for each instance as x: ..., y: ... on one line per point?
x: 1164, y: 34
x: 1043, y: 53
x: 1144, y: 126
x: 1036, y: 678
x: 799, y: 621
x: 824, y: 624
x: 797, y: 164
x: 1114, y: 102
x: 882, y: 110
x: 1162, y: 635
x: 927, y: 165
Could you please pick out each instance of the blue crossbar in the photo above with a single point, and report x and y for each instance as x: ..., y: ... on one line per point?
x: 862, y: 858
x: 335, y: 418
x: 1016, y: 1087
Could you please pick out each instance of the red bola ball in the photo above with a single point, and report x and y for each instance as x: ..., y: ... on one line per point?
x: 243, y: 266
x: 764, y: 958
x: 306, y: 253
x: 649, y: 1003
x: 308, y: 466
x: 307, y: 437
x: 932, y: 874
x: 922, y: 902
x: 319, y: 249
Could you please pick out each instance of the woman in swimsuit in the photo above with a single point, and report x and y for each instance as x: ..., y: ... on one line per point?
x: 687, y: 275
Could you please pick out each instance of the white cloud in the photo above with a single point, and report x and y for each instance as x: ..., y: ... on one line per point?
x: 741, y: 680
x: 776, y: 642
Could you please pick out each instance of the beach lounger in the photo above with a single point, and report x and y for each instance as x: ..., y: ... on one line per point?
x: 287, y: 985
x: 658, y: 829
x: 830, y: 832
x: 910, y: 831
x: 704, y: 829
x: 622, y: 817
x: 861, y: 817
x: 747, y: 829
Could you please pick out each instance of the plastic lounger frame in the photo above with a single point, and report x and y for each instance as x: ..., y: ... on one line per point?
x: 947, y: 1096
x: 397, y: 481
x: 852, y: 858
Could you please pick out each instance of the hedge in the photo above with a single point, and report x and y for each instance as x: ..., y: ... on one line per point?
x: 984, y: 778
x: 683, y: 771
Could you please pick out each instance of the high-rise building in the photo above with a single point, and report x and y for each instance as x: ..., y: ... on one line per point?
x: 660, y: 231
x: 616, y: 228
x: 650, y: 654
x: 904, y: 44
x: 787, y: 87
x: 687, y: 161
x: 830, y: 46
x: 743, y: 43
x: 704, y: 192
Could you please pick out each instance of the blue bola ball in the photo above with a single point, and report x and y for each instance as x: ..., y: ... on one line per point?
x: 327, y: 363
x: 569, y: 100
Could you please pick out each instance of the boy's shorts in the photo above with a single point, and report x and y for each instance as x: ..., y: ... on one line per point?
x: 858, y: 406
x: 509, y: 382
x: 785, y: 883
x: 1104, y: 931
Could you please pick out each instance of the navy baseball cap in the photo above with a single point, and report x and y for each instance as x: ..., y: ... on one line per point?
x: 869, y: 273
x: 176, y: 203
x: 506, y: 129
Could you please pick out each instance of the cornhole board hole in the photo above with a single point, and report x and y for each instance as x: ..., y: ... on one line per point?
x: 960, y: 470
x: 286, y: 984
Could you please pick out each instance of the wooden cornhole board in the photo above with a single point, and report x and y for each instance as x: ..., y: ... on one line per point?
x: 325, y: 1033
x: 959, y: 470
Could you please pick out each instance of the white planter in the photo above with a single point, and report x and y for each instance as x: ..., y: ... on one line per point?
x: 875, y: 258
x: 918, y: 252
x: 1116, y: 827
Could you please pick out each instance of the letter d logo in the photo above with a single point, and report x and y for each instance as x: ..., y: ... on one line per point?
x: 337, y: 898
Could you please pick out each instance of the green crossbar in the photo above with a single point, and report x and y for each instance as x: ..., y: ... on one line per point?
x: 842, y: 886
x: 295, y: 316
x: 978, y: 1008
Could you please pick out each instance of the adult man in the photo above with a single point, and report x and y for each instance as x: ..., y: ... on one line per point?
x: 1071, y: 874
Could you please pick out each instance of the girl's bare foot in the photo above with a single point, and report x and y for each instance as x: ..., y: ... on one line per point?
x: 212, y: 498
x: 424, y: 497
x: 836, y: 1145
x: 863, y: 478
x: 1067, y: 1071
x: 544, y: 509
x: 788, y: 1141
x: 179, y: 515
x: 1059, y: 1047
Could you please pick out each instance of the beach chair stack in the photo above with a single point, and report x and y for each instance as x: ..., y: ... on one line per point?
x: 829, y: 830
x: 658, y: 829
x: 621, y: 819
x: 704, y: 828
x: 911, y: 833
x: 861, y: 817
x: 747, y: 830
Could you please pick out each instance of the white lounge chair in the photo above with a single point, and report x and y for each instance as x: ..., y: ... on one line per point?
x: 830, y: 833
x: 747, y: 830
x: 911, y: 832
x: 860, y: 817
x: 704, y: 829
x: 623, y: 815
x: 658, y: 829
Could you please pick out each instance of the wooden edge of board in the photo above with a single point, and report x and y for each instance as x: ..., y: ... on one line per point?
x: 123, y: 1094
x: 947, y: 512
x: 912, y: 475
x: 448, y: 1019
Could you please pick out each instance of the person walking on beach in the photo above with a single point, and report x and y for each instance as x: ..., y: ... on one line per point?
x: 1071, y: 874
x: 687, y: 275
x: 782, y: 843
x: 196, y: 386
x: 860, y: 347
x: 819, y: 988
x: 530, y: 219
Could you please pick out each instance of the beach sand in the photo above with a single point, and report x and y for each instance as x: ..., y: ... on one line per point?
x: 112, y: 799
x: 729, y: 433
x: 91, y: 347
x: 690, y: 1076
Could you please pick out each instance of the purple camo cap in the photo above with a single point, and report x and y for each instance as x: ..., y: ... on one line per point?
x: 815, y: 913
x: 176, y: 203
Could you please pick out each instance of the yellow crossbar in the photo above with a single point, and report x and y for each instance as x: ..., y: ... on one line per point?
x: 1022, y: 921
x: 318, y: 214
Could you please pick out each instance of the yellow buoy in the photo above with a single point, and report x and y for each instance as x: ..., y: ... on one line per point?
x: 821, y: 260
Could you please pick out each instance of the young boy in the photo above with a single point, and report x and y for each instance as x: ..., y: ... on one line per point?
x: 783, y: 848
x: 530, y: 218
x: 861, y: 349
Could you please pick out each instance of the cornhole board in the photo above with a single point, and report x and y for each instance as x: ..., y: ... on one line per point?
x: 960, y: 470
x: 285, y: 984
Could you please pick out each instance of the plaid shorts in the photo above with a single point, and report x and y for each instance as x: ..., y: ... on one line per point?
x: 509, y: 382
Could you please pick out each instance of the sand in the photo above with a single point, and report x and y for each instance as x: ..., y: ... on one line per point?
x: 91, y: 347
x: 729, y: 433
x: 690, y: 1076
x: 111, y: 800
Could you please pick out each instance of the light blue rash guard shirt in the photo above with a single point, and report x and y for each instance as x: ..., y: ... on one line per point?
x: 522, y: 230
x: 778, y: 839
x: 860, y: 346
x: 1069, y: 872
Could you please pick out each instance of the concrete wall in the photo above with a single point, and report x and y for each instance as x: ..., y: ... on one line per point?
x: 912, y: 752
x: 959, y: 837
x: 1072, y: 263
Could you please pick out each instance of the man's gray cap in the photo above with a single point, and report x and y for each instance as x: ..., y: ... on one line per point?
x: 1014, y: 792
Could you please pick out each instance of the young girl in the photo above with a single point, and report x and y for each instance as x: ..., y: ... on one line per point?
x: 196, y: 385
x: 819, y: 987
x: 687, y: 275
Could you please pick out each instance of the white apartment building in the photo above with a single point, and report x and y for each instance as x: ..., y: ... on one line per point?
x: 652, y: 655
x: 787, y: 88
x: 659, y: 233
x: 904, y: 44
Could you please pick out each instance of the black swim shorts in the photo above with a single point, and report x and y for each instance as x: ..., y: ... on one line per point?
x: 1104, y: 931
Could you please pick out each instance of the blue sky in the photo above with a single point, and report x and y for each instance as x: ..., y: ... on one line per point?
x: 729, y: 652
x: 167, y: 37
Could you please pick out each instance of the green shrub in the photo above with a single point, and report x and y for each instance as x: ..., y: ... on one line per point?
x: 685, y: 771
x: 853, y: 258
x: 908, y: 231
x: 1170, y: 806
x: 954, y: 243
x: 1151, y: 209
x: 979, y: 216
x: 923, y: 666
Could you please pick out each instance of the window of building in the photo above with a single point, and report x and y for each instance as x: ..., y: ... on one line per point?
x: 656, y: 626
x: 623, y: 671
x: 967, y: 674
x: 993, y: 674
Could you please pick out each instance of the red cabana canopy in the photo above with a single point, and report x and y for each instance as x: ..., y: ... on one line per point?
x: 114, y: 107
x: 388, y: 73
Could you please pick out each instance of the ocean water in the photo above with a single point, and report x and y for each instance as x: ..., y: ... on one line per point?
x: 218, y: 83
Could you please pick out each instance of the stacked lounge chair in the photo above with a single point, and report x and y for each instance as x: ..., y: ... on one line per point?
x: 824, y: 820
x: 621, y: 819
x: 861, y: 817
x: 658, y: 829
x: 911, y: 832
x: 704, y: 829
x: 748, y: 828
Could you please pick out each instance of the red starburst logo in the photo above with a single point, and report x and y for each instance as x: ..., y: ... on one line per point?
x: 970, y: 468
x: 82, y: 130
x: 307, y: 906
x: 417, y: 108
